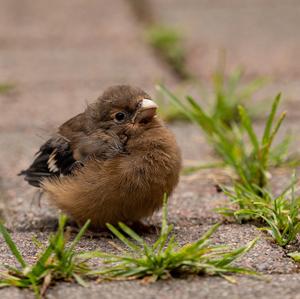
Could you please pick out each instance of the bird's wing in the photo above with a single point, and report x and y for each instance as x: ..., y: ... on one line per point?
x: 54, y: 158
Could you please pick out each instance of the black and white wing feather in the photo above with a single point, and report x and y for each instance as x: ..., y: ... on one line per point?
x: 54, y: 158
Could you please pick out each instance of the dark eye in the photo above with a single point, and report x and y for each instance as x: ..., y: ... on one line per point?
x: 120, y: 116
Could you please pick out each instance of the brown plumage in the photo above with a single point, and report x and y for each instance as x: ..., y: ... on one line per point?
x: 114, y: 162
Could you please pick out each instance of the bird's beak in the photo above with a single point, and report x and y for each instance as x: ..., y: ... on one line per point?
x: 146, y: 111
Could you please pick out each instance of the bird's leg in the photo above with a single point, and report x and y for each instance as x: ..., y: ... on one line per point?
x: 37, y: 198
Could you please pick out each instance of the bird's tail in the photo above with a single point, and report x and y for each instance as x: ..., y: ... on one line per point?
x: 34, y: 178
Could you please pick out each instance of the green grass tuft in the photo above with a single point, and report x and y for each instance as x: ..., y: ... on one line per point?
x: 165, y: 258
x: 279, y: 215
x: 56, y: 262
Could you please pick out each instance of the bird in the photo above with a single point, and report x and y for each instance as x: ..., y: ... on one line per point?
x: 112, y: 163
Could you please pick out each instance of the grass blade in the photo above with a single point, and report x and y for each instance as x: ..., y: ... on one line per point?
x: 246, y: 122
x: 122, y: 238
x: 268, y: 127
x: 12, y: 246
x: 79, y: 235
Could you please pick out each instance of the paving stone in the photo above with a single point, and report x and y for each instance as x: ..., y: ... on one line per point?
x: 260, y: 35
x: 275, y: 286
x: 14, y: 293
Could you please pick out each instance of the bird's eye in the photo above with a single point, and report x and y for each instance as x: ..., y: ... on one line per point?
x: 120, y: 116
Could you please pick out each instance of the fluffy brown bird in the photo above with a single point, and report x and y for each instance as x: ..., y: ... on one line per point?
x: 111, y: 163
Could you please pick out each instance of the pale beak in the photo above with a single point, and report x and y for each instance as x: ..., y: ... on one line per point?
x: 146, y: 111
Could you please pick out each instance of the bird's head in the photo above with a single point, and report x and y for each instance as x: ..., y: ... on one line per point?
x: 122, y: 108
